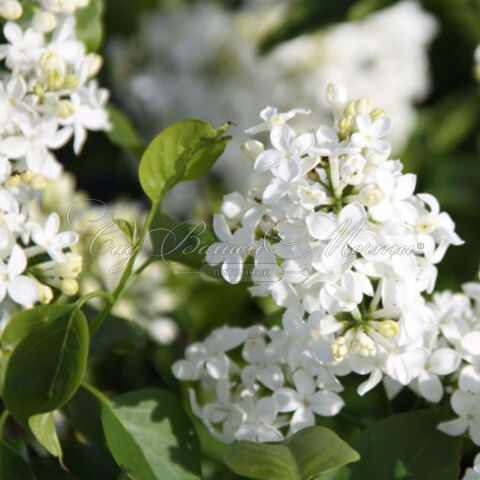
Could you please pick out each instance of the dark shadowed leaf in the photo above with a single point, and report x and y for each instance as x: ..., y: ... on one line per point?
x: 407, y: 445
x: 12, y: 465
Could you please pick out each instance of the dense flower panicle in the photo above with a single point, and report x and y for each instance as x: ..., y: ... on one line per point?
x: 349, y: 250
x: 266, y: 395
x: 48, y: 95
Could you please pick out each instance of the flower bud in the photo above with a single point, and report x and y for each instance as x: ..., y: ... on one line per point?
x: 70, y: 82
x: 364, y: 345
x: 13, y: 181
x: 64, y: 109
x: 252, y: 148
x: 336, y: 94
x: 11, y: 9
x: 49, y: 61
x: 364, y: 105
x: 351, y: 109
x: 388, y: 328
x: 27, y: 176
x: 39, y: 183
x: 45, y: 294
x: 69, y: 286
x: 55, y: 80
x: 339, y: 348
x: 44, y: 22
x: 95, y: 63
x: 72, y: 266
x: 376, y: 113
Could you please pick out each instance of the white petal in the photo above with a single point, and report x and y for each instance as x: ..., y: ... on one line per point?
x: 14, y: 147
x: 185, y: 370
x: 430, y: 387
x: 221, y: 228
x: 320, y: 225
x: 381, y: 127
x: 17, y: 261
x: 267, y: 160
x: 443, y: 361
x: 52, y: 225
x: 453, y: 427
x: 281, y: 137
x: 373, y: 380
x: 354, y: 212
x: 462, y: 403
x: 304, y: 383
x: 232, y: 269
x: 471, y: 343
x: 326, y: 404
x: 469, y: 380
x: 23, y: 290
x: 287, y: 400
x: 217, y: 367
x: 301, y: 419
x: 405, y: 186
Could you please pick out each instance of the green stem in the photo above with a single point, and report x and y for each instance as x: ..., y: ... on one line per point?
x: 127, y: 274
x: 86, y: 298
x: 96, y: 393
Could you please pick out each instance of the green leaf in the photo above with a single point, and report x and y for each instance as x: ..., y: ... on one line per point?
x: 84, y: 413
x: 45, y: 352
x: 43, y: 427
x: 151, y: 437
x: 407, y: 445
x: 87, y: 462
x: 123, y: 132
x: 12, y: 465
x: 89, y: 24
x: 183, y: 151
x: 303, y: 456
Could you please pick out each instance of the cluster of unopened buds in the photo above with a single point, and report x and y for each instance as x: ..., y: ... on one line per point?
x: 48, y: 95
x: 351, y: 251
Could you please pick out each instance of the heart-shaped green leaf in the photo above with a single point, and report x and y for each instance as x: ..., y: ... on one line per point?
x: 151, y: 437
x: 303, y: 456
x: 183, y: 151
x: 45, y: 352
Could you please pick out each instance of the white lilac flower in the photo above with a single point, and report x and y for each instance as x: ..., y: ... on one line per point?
x: 45, y: 93
x: 354, y: 271
x: 305, y: 401
x: 260, y: 397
